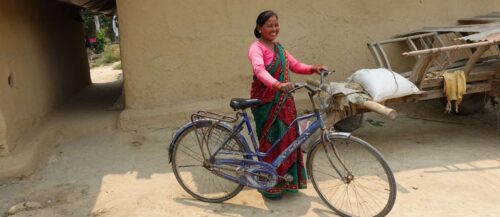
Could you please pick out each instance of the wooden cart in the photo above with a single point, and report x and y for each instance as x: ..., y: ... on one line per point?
x: 473, y: 49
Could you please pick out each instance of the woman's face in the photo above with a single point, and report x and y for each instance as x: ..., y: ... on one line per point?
x: 270, y: 29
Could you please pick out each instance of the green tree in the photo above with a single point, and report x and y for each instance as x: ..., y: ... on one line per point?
x: 104, y: 36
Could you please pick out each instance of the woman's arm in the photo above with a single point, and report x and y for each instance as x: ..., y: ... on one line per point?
x: 298, y: 67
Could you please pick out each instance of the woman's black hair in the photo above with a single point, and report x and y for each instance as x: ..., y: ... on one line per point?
x: 261, y: 19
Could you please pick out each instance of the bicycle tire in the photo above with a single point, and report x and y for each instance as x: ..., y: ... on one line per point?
x: 358, y: 189
x: 205, y: 175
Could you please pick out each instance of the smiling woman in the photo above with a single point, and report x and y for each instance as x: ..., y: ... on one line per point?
x: 270, y: 64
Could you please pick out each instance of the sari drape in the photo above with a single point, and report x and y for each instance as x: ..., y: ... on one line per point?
x: 272, y: 120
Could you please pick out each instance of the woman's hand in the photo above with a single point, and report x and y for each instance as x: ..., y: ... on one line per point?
x: 318, y: 68
x: 285, y: 87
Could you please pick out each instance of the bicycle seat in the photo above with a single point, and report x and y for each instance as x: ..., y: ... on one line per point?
x: 239, y: 103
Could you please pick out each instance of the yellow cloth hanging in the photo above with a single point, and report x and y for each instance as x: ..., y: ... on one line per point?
x: 454, y: 88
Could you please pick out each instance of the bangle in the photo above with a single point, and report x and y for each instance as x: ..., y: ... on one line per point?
x: 314, y: 68
x: 276, y: 85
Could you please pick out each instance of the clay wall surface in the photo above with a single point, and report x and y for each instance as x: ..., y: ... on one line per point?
x: 42, y: 62
x: 183, y: 52
x: 3, y: 130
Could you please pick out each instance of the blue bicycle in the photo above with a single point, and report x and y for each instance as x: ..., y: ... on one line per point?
x: 212, y: 161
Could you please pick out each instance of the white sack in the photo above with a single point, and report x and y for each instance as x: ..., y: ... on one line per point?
x: 383, y: 84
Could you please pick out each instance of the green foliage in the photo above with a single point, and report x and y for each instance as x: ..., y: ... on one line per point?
x: 100, y: 52
x: 88, y: 23
x: 110, y: 54
x: 118, y: 66
x: 107, y: 27
x: 100, y: 44
x: 104, y: 36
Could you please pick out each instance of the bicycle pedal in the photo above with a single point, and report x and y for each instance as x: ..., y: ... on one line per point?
x: 240, y: 171
x: 287, y: 177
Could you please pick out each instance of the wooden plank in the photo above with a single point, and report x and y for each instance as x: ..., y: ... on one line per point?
x: 400, y: 100
x: 375, y: 54
x: 439, y: 40
x: 386, y: 60
x: 478, y: 20
x: 423, y: 43
x: 495, y: 89
x: 406, y: 74
x: 420, y: 68
x: 473, y: 59
x: 400, y: 39
x: 471, y: 88
x: 497, y: 75
x: 474, y: 77
x: 453, y: 47
x: 411, y: 44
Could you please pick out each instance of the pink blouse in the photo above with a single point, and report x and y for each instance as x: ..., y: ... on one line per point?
x: 260, y: 56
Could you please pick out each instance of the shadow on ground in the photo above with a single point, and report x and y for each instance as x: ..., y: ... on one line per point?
x: 97, y: 170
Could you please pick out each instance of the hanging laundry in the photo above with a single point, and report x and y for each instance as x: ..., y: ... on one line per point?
x: 454, y: 88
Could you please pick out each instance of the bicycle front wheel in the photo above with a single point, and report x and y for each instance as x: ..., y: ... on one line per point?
x: 352, y: 177
x: 190, y: 162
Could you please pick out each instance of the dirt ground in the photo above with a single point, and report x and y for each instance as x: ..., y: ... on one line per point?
x: 444, y: 166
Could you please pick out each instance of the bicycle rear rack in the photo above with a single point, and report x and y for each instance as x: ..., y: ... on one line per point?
x: 204, y: 135
x: 212, y: 116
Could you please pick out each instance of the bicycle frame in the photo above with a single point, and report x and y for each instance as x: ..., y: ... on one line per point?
x: 246, y: 167
x: 317, y: 124
x: 249, y: 155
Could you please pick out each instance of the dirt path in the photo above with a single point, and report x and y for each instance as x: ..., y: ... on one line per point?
x: 444, y: 166
x: 106, y: 73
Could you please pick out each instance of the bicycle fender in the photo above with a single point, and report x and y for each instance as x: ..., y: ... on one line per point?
x: 333, y: 135
x: 191, y: 124
x: 175, y: 138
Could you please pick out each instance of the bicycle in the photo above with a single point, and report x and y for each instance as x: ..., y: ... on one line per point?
x: 212, y: 161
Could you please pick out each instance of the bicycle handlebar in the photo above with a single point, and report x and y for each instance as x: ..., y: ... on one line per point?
x: 323, y: 74
x: 313, y: 85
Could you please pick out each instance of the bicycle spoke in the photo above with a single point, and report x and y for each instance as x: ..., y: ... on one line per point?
x: 370, y: 194
x: 373, y: 192
x: 364, y: 188
x: 326, y: 174
x: 189, y: 169
x: 348, y: 197
x: 342, y: 198
x: 368, y: 208
x: 334, y: 189
x: 191, y: 156
x: 358, y: 198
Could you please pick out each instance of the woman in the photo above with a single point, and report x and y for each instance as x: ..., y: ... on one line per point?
x: 271, y: 63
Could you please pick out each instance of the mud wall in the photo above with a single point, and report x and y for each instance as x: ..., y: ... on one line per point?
x: 42, y: 62
x: 183, y: 52
x: 3, y: 130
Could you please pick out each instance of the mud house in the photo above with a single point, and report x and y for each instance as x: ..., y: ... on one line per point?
x: 178, y: 55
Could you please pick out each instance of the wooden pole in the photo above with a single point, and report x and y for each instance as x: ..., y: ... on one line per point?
x: 454, y: 47
x: 473, y: 59
x: 418, y: 72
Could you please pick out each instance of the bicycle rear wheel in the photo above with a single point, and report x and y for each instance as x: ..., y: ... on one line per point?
x: 365, y: 186
x: 193, y: 171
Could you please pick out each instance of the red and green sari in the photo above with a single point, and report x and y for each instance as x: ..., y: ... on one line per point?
x: 272, y: 119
